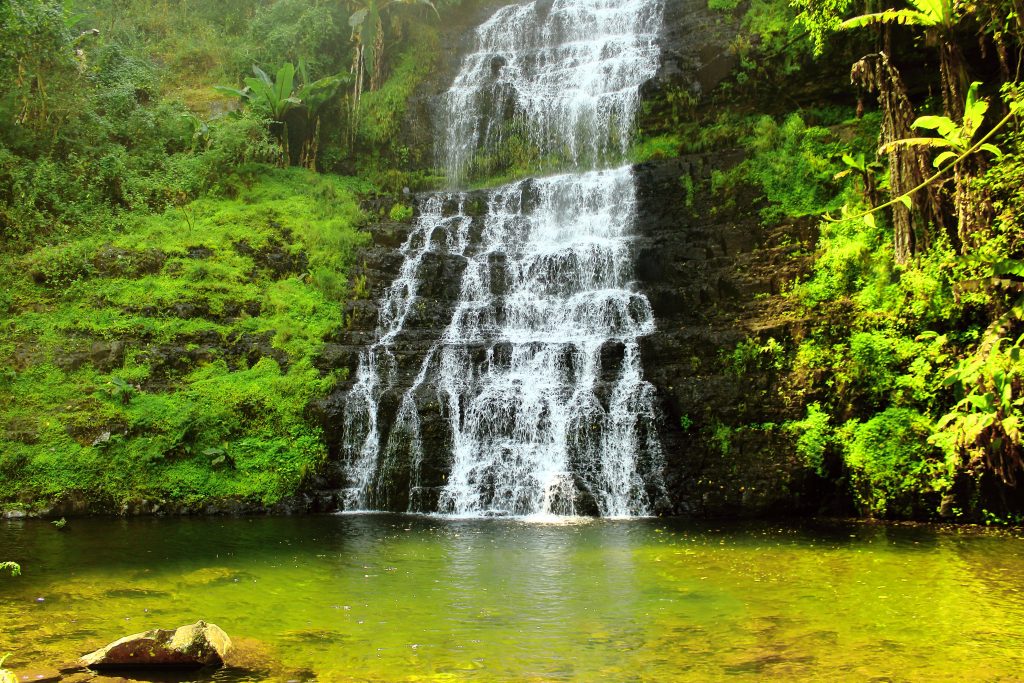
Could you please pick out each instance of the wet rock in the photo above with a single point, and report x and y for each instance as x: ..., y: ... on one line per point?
x: 195, y: 646
x: 337, y: 357
x: 253, y: 657
x: 275, y: 259
x: 104, y: 356
x: 705, y: 270
x: 199, y: 253
x: 111, y: 261
x: 390, y: 235
x: 497, y: 64
x: 613, y: 352
x: 37, y: 676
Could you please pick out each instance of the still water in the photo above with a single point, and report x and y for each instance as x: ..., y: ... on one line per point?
x: 405, y: 598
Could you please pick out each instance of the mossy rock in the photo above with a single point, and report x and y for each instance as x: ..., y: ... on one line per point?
x: 194, y: 646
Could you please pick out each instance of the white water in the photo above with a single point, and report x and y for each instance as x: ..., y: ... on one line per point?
x: 555, y: 410
x: 568, y: 78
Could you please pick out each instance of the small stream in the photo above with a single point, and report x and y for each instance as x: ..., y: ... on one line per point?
x: 418, y: 598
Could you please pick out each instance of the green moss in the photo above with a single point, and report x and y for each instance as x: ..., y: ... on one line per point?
x: 400, y: 212
x: 177, y: 414
x: 381, y: 112
x: 660, y: 147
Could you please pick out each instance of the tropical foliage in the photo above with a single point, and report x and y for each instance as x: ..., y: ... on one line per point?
x: 906, y: 368
x: 165, y: 288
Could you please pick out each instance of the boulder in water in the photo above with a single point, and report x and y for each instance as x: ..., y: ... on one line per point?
x: 188, y: 647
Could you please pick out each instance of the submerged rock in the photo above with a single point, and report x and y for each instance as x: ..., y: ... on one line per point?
x: 37, y: 676
x: 194, y: 646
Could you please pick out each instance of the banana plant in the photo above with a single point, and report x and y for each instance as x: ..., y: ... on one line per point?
x: 940, y: 20
x: 277, y: 93
x: 314, y: 96
x: 955, y: 139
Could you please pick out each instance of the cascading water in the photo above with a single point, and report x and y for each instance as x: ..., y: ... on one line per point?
x: 537, y: 376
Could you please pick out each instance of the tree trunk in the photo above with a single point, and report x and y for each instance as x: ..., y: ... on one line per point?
x: 311, y: 148
x: 908, y: 166
x: 953, y: 73
x: 973, y: 207
x: 377, y: 77
x: 358, y: 69
x: 286, y: 160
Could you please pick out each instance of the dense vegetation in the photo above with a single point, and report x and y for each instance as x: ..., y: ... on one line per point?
x: 180, y: 198
x: 182, y: 188
x: 906, y: 351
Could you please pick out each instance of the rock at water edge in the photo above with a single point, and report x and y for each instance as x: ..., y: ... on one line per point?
x: 194, y: 646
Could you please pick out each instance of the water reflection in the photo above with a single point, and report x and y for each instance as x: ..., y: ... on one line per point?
x: 395, y: 598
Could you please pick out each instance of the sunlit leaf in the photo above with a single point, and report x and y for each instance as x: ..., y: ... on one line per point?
x: 943, y: 158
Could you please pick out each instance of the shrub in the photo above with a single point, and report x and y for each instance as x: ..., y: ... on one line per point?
x: 892, y: 465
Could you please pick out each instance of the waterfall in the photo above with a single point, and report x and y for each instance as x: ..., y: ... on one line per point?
x: 536, y: 378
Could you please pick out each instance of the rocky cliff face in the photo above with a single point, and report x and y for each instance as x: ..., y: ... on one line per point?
x: 713, y: 277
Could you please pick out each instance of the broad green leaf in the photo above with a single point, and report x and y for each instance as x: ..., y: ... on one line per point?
x: 855, y: 163
x: 1011, y: 426
x: 906, y: 201
x: 938, y: 12
x: 992, y: 149
x: 892, y: 16
x: 314, y: 95
x: 974, y: 111
x: 234, y: 92
x: 977, y: 402
x: 283, y: 89
x: 937, y: 143
x: 940, y: 124
x: 943, y: 158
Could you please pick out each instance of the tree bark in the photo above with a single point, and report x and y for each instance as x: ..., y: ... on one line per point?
x: 908, y: 166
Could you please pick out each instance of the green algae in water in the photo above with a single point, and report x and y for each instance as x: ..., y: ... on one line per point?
x: 394, y: 598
